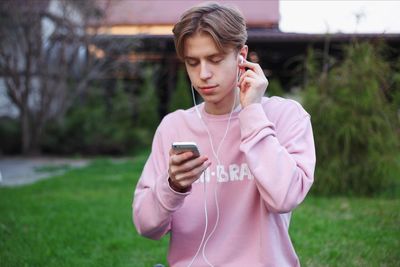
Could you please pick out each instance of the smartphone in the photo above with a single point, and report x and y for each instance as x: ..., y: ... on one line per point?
x: 180, y: 147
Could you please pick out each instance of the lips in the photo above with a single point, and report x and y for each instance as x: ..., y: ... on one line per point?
x: 207, y: 89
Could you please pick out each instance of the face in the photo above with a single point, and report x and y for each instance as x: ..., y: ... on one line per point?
x: 212, y: 73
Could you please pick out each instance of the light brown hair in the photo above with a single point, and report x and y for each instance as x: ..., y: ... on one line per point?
x: 226, y: 25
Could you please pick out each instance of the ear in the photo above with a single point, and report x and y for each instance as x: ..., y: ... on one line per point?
x: 243, y: 52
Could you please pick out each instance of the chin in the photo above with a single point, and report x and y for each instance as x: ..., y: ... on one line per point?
x: 211, y: 98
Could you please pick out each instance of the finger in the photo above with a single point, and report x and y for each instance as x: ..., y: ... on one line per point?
x: 177, y: 168
x: 177, y: 159
x: 184, y: 166
x: 250, y: 65
x: 247, y: 83
x: 191, y: 164
x: 193, y: 174
x: 248, y: 73
x: 241, y: 78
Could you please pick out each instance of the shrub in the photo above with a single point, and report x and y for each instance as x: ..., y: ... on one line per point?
x: 146, y: 110
x: 274, y: 88
x: 108, y: 121
x: 10, y: 136
x: 353, y: 122
x: 93, y: 127
x: 181, y: 98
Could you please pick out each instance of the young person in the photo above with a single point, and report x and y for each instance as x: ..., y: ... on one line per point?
x: 231, y: 205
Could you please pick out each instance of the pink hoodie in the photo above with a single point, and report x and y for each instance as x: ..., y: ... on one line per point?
x: 267, y: 167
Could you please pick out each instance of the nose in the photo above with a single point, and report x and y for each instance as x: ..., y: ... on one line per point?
x: 205, y: 72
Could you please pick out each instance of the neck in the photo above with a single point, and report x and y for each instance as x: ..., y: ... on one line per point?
x: 225, y: 106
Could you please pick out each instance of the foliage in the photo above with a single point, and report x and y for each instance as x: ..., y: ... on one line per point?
x: 95, y: 127
x: 274, y: 88
x: 148, y: 115
x: 84, y: 218
x: 48, y: 58
x: 354, y: 123
x: 394, y: 95
x: 9, y: 136
x: 115, y: 120
x: 43, y: 49
x: 181, y: 97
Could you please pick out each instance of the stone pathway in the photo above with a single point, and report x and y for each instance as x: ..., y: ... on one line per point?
x: 15, y: 171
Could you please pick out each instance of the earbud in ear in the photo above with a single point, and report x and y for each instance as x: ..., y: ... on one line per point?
x: 241, y: 58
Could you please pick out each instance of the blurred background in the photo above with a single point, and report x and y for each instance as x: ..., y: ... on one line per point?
x: 83, y: 80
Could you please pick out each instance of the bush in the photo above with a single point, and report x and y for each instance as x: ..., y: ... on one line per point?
x: 274, y: 88
x: 107, y: 121
x: 93, y: 127
x: 10, y: 136
x: 147, y: 105
x: 181, y: 98
x: 354, y: 123
x: 146, y: 110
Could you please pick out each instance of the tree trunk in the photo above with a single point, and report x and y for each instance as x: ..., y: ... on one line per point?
x: 30, y: 144
x: 25, y: 131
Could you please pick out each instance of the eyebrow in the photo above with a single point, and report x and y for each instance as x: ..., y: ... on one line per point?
x: 220, y: 54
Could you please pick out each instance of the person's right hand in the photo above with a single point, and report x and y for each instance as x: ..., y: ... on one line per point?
x: 184, y: 169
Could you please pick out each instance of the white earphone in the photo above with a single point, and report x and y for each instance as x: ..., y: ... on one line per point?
x: 241, y: 58
x: 194, y: 102
x: 215, y: 153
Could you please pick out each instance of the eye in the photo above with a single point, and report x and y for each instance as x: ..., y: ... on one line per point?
x: 191, y: 62
x: 216, y: 60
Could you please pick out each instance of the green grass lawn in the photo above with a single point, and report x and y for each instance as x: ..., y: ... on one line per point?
x: 83, y: 218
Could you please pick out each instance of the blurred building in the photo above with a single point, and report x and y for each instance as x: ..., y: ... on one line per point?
x: 130, y: 17
x: 150, y: 23
x: 145, y: 29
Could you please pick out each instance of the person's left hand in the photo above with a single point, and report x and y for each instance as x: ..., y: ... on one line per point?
x: 252, y: 83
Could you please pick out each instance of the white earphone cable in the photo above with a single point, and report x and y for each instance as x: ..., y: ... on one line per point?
x: 216, y: 155
x: 205, y: 227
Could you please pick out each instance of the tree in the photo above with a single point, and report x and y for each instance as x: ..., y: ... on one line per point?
x: 354, y: 123
x: 47, y: 59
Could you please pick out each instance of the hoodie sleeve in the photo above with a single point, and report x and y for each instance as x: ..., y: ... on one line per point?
x: 281, y: 160
x: 154, y: 201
